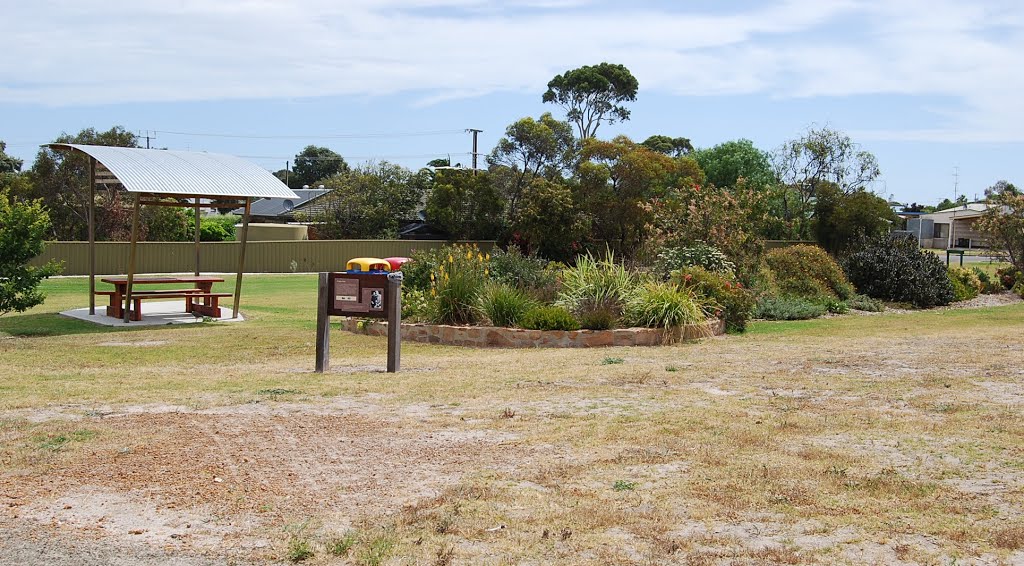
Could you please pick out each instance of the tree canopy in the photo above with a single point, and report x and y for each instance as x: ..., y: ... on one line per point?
x: 1003, y: 222
x: 821, y: 155
x: 728, y: 162
x: 8, y: 163
x: 844, y: 219
x: 531, y: 147
x: 61, y: 180
x: 466, y: 205
x: 369, y: 201
x: 669, y: 146
x: 314, y: 164
x: 593, y: 94
x: 23, y: 226
x: 947, y: 204
x: 616, y: 179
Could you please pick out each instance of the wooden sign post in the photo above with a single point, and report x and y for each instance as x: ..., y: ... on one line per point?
x: 364, y: 295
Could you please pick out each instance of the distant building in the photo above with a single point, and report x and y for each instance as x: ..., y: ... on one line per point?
x: 950, y: 228
x: 282, y: 210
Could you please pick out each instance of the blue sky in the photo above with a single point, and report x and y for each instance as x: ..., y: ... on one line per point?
x: 925, y: 85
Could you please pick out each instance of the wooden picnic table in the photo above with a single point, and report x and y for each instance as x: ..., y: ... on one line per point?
x: 200, y: 289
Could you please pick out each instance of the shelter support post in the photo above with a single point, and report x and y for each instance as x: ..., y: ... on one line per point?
x: 131, y: 259
x: 197, y: 237
x: 92, y: 236
x: 241, y: 257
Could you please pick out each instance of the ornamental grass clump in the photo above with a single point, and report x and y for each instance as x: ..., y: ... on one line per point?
x: 664, y: 305
x: 504, y: 305
x: 549, y: 318
x: 455, y: 286
x: 597, y: 290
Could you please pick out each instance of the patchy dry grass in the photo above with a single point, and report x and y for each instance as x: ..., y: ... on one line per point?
x: 857, y: 439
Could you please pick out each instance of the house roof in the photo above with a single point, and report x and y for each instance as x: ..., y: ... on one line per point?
x: 966, y: 211
x: 283, y: 206
x: 184, y: 173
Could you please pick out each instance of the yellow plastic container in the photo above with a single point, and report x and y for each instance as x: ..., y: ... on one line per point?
x: 367, y: 264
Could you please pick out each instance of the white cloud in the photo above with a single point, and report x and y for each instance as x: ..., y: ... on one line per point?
x: 66, y: 52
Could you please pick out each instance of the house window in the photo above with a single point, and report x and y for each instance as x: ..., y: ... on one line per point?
x: 941, y: 231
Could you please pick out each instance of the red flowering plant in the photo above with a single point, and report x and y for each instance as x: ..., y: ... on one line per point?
x: 721, y: 294
x: 730, y: 220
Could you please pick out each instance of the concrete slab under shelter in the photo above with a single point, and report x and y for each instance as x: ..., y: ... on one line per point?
x: 154, y: 313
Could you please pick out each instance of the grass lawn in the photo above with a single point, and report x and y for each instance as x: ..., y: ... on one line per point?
x: 855, y: 439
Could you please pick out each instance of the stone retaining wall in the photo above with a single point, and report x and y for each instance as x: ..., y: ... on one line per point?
x: 491, y: 336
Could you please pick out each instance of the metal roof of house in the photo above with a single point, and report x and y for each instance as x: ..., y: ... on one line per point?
x: 283, y: 206
x: 969, y: 210
x: 185, y: 173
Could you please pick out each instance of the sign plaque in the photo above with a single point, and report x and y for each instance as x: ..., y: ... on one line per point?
x: 363, y: 295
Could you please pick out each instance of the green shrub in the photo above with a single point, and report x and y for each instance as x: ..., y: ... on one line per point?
x: 834, y: 306
x: 23, y: 227
x: 597, y: 320
x: 1019, y: 288
x: 897, y: 270
x: 504, y: 305
x: 807, y: 272
x: 718, y: 291
x: 596, y: 289
x: 527, y: 272
x: 989, y: 284
x: 455, y: 286
x: 216, y: 228
x: 415, y: 305
x: 699, y: 254
x: 549, y: 318
x: 966, y: 284
x: 1009, y: 276
x: 865, y: 303
x: 788, y: 308
x: 663, y: 305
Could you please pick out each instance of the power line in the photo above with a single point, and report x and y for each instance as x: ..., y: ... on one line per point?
x: 320, y: 136
x: 424, y: 155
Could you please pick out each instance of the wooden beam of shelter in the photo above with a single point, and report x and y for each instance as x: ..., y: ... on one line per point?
x: 197, y: 236
x: 92, y: 236
x: 241, y: 258
x: 131, y: 259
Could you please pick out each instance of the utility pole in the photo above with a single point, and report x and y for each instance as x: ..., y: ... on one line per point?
x: 952, y: 218
x: 956, y: 182
x: 475, y: 132
x: 148, y: 137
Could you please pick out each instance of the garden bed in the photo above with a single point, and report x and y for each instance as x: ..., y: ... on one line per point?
x: 492, y: 336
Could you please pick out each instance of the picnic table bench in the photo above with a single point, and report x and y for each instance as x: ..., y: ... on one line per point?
x: 199, y: 298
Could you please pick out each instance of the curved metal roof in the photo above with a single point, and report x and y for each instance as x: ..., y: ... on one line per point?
x: 185, y: 173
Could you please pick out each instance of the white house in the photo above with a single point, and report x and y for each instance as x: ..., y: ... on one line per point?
x: 950, y: 228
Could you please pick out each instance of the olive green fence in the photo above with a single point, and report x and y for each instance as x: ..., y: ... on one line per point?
x: 222, y: 257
